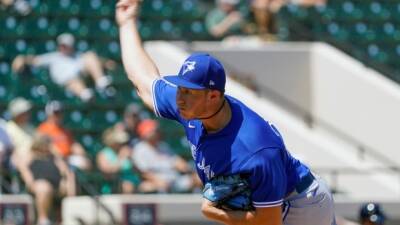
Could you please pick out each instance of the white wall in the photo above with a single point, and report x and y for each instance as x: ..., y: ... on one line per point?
x: 177, y: 209
x: 356, y: 100
x: 170, y: 208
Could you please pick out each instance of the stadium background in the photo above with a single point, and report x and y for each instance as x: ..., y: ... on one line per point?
x: 366, y: 30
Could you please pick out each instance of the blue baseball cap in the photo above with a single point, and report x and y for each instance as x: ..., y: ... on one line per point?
x: 200, y: 71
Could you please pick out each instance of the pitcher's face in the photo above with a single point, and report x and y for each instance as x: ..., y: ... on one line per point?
x: 192, y: 103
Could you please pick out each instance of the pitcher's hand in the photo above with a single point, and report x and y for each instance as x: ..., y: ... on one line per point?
x: 127, y: 10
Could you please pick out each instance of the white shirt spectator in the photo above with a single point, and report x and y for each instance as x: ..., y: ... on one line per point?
x: 21, y: 137
x: 159, y: 161
x: 62, y: 67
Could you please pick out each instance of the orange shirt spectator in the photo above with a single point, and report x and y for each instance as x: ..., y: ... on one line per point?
x: 61, y: 138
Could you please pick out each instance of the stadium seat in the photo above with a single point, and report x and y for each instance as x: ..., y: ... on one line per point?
x: 39, y: 27
x: 11, y: 27
x: 39, y: 7
x: 13, y: 47
x: 367, y: 30
x: 349, y: 11
x: 42, y: 46
x: 376, y: 11
x: 108, y: 49
x: 7, y: 87
x: 77, y: 120
x: 97, y: 8
x: 63, y: 7
x: 91, y: 141
x: 72, y: 25
x: 103, y: 119
x: 103, y: 28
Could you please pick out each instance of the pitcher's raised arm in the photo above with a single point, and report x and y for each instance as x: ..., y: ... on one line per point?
x: 138, y: 65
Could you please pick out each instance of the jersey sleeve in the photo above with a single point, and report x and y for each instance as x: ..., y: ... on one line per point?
x: 267, y: 177
x: 164, y: 99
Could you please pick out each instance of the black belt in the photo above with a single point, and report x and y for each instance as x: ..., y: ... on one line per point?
x: 304, y: 183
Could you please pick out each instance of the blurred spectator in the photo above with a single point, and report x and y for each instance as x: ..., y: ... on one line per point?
x: 225, y: 19
x: 130, y: 122
x: 6, y: 149
x: 371, y: 214
x: 20, y: 129
x: 46, y: 177
x: 20, y: 6
x: 170, y: 172
x: 263, y: 13
x: 66, y: 65
x: 114, y: 160
x: 306, y: 2
x: 63, y: 142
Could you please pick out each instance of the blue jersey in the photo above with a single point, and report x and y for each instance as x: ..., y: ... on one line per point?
x: 247, y: 145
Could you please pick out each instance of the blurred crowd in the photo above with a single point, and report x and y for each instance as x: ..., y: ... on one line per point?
x: 232, y: 18
x: 47, y: 157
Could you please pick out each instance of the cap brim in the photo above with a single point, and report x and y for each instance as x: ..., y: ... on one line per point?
x: 180, y: 82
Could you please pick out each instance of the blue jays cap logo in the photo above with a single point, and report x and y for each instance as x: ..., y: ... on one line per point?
x: 188, y: 66
x: 200, y: 71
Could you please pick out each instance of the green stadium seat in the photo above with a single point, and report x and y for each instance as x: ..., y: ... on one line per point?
x: 362, y: 33
x: 97, y: 8
x: 38, y: 114
x: 366, y: 29
x: 11, y: 48
x: 394, y: 8
x: 376, y: 11
x: 11, y: 27
x: 104, y: 28
x: 190, y: 9
x: 159, y: 8
x: 337, y: 31
x: 71, y: 25
x: 388, y: 33
x: 39, y: 7
x: 196, y: 29
x: 108, y: 49
x: 42, y: 46
x: 63, y: 7
x: 119, y: 76
x: 82, y: 45
x: 349, y: 11
x: 37, y: 93
x: 376, y: 53
x: 103, y: 119
x: 39, y: 27
x: 77, y: 120
x: 91, y: 142
x: 7, y: 87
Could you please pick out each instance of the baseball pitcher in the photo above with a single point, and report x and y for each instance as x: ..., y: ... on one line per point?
x: 249, y: 177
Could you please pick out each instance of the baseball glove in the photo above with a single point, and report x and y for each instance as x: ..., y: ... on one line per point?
x: 229, y: 193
